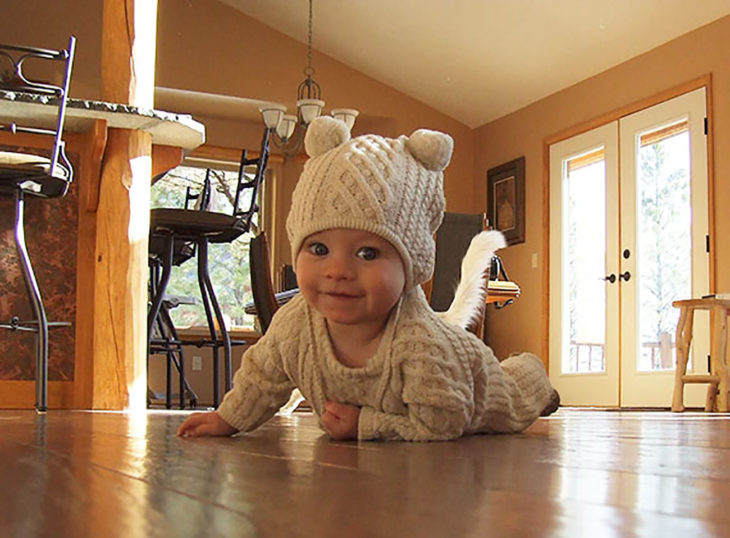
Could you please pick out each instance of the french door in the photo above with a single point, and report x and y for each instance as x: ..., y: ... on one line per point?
x: 628, y: 232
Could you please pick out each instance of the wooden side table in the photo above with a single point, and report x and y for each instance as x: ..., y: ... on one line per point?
x: 717, y: 391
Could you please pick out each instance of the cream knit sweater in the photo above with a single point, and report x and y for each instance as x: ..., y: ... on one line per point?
x: 427, y: 381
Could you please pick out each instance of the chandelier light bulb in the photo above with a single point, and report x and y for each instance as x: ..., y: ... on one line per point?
x: 310, y: 109
x: 346, y: 115
x: 272, y: 113
x: 286, y: 126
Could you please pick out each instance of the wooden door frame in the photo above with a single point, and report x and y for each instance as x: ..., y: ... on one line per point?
x: 704, y: 81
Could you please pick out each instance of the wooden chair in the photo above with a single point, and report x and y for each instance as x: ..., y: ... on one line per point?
x: 287, y: 278
x: 28, y: 174
x: 262, y: 287
x: 171, y: 226
x: 452, y: 241
x: 717, y: 379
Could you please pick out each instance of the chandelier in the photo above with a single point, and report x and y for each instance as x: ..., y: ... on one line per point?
x: 309, y: 105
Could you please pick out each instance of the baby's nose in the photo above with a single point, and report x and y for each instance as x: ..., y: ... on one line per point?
x: 338, y: 267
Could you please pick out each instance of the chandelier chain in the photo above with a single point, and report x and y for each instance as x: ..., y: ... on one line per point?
x: 309, y: 71
x: 289, y: 129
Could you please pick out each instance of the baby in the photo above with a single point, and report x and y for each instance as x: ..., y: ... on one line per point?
x: 360, y: 341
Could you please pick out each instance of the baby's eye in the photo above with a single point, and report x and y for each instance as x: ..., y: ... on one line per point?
x: 318, y: 249
x: 367, y: 253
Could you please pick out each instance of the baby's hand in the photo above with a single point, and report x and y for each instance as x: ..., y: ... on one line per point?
x: 340, y: 420
x: 204, y: 425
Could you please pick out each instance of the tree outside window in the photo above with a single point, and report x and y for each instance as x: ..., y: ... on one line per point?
x: 228, y: 262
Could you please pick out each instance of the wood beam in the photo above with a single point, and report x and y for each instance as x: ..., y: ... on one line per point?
x: 119, y: 334
x: 120, y: 288
x: 165, y: 158
x: 92, y: 145
x: 128, y: 45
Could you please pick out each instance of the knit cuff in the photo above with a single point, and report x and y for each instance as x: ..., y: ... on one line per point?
x: 227, y: 413
x: 366, y: 427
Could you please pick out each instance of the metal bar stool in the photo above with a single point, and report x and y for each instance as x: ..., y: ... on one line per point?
x: 26, y: 174
x: 171, y: 226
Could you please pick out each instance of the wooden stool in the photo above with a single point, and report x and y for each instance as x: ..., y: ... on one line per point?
x: 717, y: 392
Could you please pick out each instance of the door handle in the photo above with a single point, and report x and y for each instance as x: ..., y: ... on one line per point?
x: 611, y: 278
x: 625, y: 276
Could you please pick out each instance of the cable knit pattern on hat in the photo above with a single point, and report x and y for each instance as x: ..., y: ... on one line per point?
x: 427, y: 381
x: 390, y: 187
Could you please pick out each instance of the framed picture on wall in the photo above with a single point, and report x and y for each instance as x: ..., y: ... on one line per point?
x: 506, y: 200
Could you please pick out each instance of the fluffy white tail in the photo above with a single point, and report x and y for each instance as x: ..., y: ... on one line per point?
x: 469, y: 295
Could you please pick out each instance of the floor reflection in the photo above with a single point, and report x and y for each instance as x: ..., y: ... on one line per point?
x: 576, y: 473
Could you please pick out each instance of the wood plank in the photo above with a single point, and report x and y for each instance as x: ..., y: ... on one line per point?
x: 61, y: 494
x: 576, y: 473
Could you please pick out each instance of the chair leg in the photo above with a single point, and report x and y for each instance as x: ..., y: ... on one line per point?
x: 208, y: 293
x: 34, y: 294
x: 158, y: 285
x: 176, y: 356
x: 165, y: 338
x: 159, y: 290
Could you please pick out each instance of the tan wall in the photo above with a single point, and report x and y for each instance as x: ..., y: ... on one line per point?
x: 200, y: 381
x: 244, y: 58
x: 206, y: 46
x: 706, y: 50
x: 42, y: 23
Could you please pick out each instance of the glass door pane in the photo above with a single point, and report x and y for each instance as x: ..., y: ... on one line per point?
x: 664, y: 240
x: 584, y: 236
x: 664, y: 224
x: 585, y: 241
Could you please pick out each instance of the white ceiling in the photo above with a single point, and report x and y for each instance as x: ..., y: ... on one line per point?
x: 477, y: 60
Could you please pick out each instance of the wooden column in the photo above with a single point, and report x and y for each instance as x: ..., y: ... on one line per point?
x: 120, y: 273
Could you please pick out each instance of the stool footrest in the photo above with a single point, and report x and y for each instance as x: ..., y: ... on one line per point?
x: 699, y: 378
x: 16, y: 324
x: 207, y: 342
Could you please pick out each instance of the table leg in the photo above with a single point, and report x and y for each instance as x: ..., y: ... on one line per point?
x: 683, y: 339
x: 719, y: 348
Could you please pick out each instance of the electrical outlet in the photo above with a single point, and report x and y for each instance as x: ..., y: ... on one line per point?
x: 197, y: 363
x: 534, y: 260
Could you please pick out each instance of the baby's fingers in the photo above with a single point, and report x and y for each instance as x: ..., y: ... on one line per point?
x: 187, y: 428
x: 196, y: 425
x: 329, y: 423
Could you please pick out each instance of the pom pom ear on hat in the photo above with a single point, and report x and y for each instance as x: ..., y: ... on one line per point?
x: 431, y: 148
x: 390, y: 187
x: 323, y: 134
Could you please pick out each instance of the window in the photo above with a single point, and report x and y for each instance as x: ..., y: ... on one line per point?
x: 228, y: 262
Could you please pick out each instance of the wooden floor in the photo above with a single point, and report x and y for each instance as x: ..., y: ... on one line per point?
x: 577, y: 473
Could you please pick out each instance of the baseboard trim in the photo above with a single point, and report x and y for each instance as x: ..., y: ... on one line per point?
x: 21, y: 394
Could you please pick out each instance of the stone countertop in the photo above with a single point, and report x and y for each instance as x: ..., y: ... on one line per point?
x: 166, y: 128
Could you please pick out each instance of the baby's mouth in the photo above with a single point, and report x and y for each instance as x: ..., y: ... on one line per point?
x: 340, y: 294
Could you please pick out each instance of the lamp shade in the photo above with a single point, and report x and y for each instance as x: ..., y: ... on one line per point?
x: 347, y: 115
x: 286, y: 126
x: 310, y: 109
x: 272, y: 113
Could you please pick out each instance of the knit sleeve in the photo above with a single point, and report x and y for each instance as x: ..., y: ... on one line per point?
x: 439, y: 405
x: 261, y: 384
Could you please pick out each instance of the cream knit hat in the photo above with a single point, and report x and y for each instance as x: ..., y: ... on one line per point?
x: 389, y: 187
